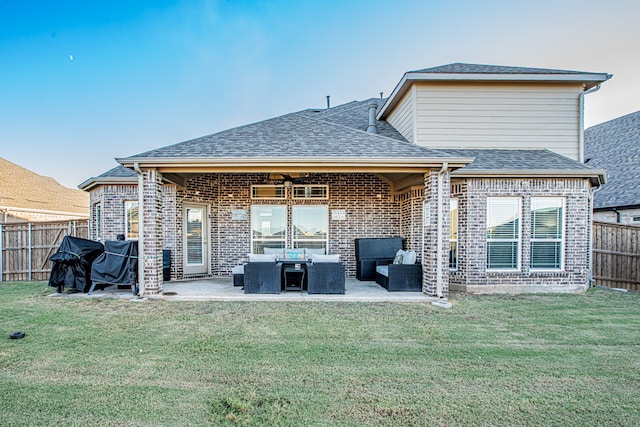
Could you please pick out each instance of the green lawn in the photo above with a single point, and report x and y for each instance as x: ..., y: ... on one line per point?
x: 499, y: 360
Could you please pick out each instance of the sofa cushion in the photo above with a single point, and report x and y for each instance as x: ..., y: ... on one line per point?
x: 399, y: 257
x: 317, y: 251
x: 383, y: 269
x: 409, y: 257
x: 238, y: 269
x: 277, y: 251
x: 261, y: 257
x: 325, y: 258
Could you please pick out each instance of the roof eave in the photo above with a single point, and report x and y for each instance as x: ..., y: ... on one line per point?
x: 589, y: 79
x: 294, y: 164
x: 597, y: 177
x: 115, y: 180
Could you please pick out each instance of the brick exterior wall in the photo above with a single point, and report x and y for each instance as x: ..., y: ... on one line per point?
x: 472, y: 246
x: 371, y: 211
x: 430, y: 258
x: 153, y: 238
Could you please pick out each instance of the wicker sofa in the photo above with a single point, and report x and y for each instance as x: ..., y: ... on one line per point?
x: 396, y: 275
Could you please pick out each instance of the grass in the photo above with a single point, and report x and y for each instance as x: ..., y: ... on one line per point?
x: 499, y: 360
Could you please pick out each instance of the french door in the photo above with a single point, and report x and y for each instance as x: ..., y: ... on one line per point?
x: 195, y: 239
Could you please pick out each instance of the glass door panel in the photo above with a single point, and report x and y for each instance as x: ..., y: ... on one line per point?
x: 195, y: 240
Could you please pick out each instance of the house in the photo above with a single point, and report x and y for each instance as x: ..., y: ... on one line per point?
x: 476, y: 167
x: 615, y: 147
x: 28, y: 197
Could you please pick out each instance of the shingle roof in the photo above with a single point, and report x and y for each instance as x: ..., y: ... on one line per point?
x: 355, y: 115
x: 293, y: 135
x: 119, y: 172
x: 524, y: 163
x: 615, y: 147
x: 462, y: 68
x: 538, y: 159
x: 22, y: 188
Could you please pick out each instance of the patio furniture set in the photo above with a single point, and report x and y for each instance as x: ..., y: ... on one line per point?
x: 281, y: 270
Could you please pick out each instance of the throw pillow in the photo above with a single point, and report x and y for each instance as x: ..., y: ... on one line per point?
x: 409, y: 257
x: 399, y: 257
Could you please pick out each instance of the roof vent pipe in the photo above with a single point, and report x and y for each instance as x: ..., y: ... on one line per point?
x: 328, y: 102
x: 373, y: 107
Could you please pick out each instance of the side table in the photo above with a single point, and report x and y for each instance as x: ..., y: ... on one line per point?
x: 294, y: 277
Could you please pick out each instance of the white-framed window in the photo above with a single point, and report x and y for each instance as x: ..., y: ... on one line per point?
x: 311, y: 192
x: 97, y: 215
x: 130, y: 219
x: 310, y: 226
x: 268, y: 191
x: 503, y: 233
x: 453, y: 234
x: 547, y: 233
x: 268, y: 227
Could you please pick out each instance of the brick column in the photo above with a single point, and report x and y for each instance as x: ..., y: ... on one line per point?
x: 430, y: 224
x: 152, y: 229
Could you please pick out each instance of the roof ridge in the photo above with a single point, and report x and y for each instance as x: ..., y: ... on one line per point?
x: 471, y: 68
x: 323, y: 121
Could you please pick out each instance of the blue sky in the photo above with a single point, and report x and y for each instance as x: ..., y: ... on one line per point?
x: 83, y: 82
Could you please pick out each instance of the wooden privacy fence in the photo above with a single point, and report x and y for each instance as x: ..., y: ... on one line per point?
x: 25, y: 248
x: 616, y: 255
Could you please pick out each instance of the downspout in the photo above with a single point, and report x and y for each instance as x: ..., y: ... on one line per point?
x: 136, y: 167
x: 581, y: 121
x: 440, y: 237
x: 593, y: 193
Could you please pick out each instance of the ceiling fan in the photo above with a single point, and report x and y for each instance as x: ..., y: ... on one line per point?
x: 289, y: 179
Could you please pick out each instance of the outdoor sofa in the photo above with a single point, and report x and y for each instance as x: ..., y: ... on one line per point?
x: 402, y: 274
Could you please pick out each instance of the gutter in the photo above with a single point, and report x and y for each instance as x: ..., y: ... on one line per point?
x: 322, y: 162
x: 590, y: 79
x: 596, y: 176
x: 93, y: 182
x: 136, y: 167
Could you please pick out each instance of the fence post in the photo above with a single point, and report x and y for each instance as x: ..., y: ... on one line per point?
x: 1, y: 250
x: 30, y: 252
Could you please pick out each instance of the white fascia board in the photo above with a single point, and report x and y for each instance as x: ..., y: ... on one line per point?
x: 297, y: 163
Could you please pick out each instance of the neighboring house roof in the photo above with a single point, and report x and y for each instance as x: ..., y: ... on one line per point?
x: 488, y: 73
x: 615, y: 147
x: 23, y: 190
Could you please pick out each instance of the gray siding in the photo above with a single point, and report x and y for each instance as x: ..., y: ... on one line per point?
x: 402, y: 118
x: 492, y: 115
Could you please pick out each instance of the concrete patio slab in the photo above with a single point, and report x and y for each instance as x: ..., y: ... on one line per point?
x: 222, y: 289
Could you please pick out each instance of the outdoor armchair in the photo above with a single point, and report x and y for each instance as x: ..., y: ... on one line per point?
x: 262, y: 278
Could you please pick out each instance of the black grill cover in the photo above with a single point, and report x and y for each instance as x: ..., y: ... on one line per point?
x: 72, y: 263
x: 117, y: 265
